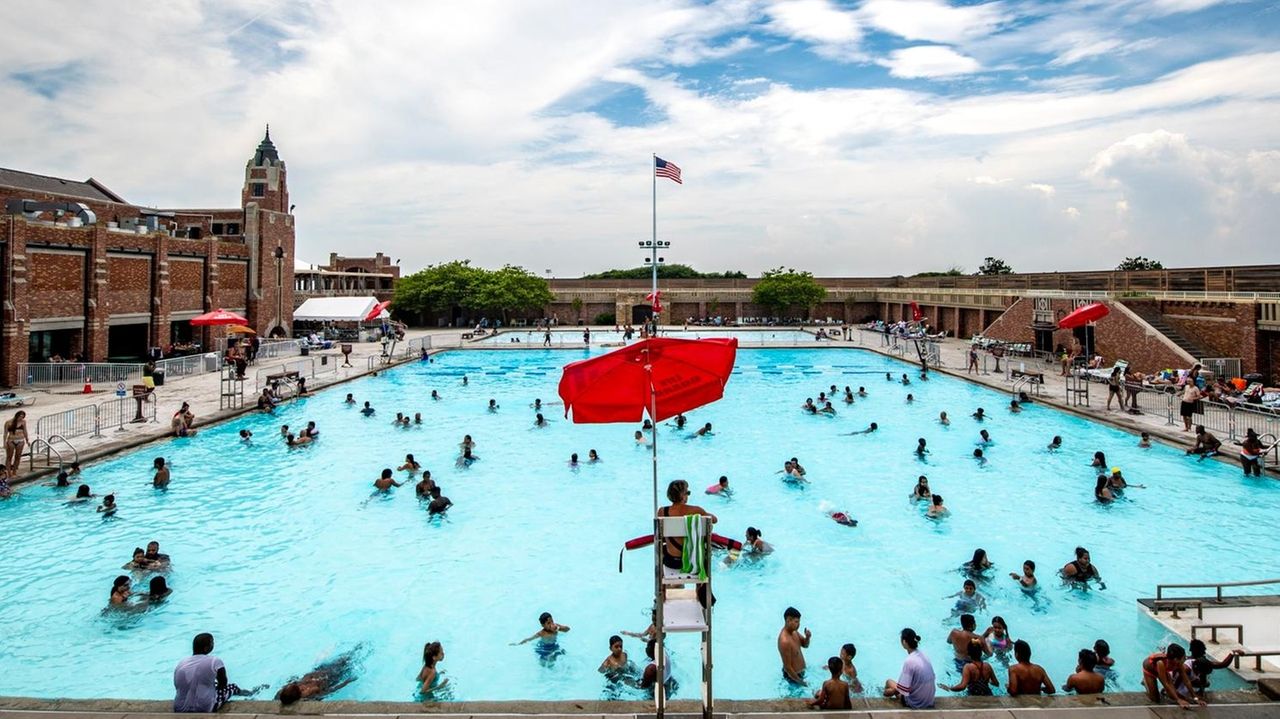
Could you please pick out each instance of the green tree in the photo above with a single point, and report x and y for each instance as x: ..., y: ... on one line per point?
x: 674, y: 271
x: 510, y: 289
x: 953, y: 271
x: 783, y: 291
x: 1138, y: 264
x: 994, y: 266
x: 436, y: 289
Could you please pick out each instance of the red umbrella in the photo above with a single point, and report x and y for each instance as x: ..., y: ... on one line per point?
x: 377, y: 310
x: 1084, y: 316
x: 219, y: 317
x: 661, y: 377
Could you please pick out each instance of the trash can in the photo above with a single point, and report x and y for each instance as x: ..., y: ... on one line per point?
x: 157, y: 377
x: 211, y: 362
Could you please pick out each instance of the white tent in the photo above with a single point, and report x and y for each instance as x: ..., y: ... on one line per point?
x: 335, y: 309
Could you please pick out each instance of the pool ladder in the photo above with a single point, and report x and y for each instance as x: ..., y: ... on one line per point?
x: 50, y: 451
x: 1271, y: 446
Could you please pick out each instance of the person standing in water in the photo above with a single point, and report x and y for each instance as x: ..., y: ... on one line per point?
x: 790, y: 647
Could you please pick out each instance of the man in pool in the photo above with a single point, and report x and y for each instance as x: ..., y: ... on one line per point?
x: 439, y: 503
x: 322, y: 681
x: 1081, y: 569
x: 1206, y: 444
x: 790, y: 647
x: 386, y: 481
x: 367, y: 410
x: 961, y: 638
x: 1055, y: 443
x: 870, y: 428
x: 979, y: 415
x: 1085, y: 680
x: 1026, y: 677
x: 1026, y: 580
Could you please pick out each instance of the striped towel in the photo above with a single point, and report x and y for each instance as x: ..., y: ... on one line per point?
x: 691, y: 555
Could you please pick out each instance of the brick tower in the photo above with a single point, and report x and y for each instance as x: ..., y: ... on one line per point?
x: 269, y: 233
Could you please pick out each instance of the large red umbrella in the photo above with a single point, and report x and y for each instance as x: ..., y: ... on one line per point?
x: 661, y: 377
x: 219, y: 317
x: 1084, y: 315
x: 377, y: 311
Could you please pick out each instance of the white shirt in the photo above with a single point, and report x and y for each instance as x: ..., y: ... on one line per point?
x: 195, y: 682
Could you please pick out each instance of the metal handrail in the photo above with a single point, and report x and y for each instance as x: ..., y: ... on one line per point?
x: 1216, y: 585
x: 1213, y: 631
x: 75, y: 454
x: 1273, y: 448
x: 49, y: 449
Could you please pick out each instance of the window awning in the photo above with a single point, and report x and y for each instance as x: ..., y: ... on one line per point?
x: 335, y: 309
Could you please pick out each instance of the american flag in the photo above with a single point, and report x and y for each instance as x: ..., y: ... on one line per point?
x: 662, y: 168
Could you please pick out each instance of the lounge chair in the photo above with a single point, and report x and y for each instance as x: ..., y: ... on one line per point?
x: 9, y: 399
x: 1103, y: 374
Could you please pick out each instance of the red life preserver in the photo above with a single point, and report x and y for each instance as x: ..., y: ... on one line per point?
x: 646, y: 540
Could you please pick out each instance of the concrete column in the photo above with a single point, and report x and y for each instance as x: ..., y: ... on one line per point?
x: 95, y: 296
x: 207, y: 334
x: 737, y: 311
x: 15, y: 332
x: 955, y: 318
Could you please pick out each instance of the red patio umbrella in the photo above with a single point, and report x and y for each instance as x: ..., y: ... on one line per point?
x: 661, y: 377
x: 1084, y: 315
x: 219, y: 317
x: 377, y: 310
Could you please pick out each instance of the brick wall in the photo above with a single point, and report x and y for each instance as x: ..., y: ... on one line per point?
x: 129, y: 290
x: 233, y: 280
x: 56, y: 284
x: 186, y: 284
x: 1224, y: 329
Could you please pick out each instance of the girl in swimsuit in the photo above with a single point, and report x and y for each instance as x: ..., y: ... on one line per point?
x: 429, y: 678
x: 977, y: 677
x: 410, y: 464
x: 997, y: 637
x: 1163, y: 670
x: 976, y: 568
x: 15, y: 440
x: 921, y: 490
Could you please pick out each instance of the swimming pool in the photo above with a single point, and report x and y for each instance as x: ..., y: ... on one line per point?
x: 287, y: 559
x: 572, y: 337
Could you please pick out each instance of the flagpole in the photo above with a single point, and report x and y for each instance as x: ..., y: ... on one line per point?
x: 653, y: 172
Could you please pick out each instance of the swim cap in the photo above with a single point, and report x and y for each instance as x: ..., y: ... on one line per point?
x: 1115, y: 470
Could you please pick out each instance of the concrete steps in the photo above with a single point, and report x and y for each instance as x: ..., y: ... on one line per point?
x: 1149, y: 312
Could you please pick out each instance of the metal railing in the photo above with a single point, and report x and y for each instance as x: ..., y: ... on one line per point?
x: 188, y: 365
x: 1217, y: 587
x: 1225, y: 367
x: 73, y: 422
x: 78, y: 373
x: 50, y: 451
x: 125, y: 410
x: 305, y: 367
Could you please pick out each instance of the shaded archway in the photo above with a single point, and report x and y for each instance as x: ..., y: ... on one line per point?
x: 640, y: 314
x: 277, y: 332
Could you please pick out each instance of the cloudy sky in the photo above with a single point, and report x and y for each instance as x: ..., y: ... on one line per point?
x: 874, y: 137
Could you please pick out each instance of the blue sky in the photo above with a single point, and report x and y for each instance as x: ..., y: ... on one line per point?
x: 874, y: 137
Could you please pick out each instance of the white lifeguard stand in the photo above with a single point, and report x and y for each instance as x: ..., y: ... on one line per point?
x: 676, y: 604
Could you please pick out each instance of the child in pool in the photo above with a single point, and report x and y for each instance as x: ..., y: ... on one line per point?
x: 997, y: 637
x: 968, y: 601
x: 850, y: 672
x: 547, y: 647
x: 721, y: 487
x: 1027, y: 580
x: 616, y: 665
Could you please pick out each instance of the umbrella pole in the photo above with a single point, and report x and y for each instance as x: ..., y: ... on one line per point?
x: 653, y: 414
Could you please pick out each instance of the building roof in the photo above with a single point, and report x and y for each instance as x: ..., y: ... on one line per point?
x: 266, y: 154
x: 90, y: 189
x: 336, y: 309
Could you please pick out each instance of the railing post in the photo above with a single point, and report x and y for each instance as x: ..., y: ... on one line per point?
x: 1169, y: 410
x: 96, y: 432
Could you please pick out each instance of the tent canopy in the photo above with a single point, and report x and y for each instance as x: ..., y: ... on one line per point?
x: 335, y: 309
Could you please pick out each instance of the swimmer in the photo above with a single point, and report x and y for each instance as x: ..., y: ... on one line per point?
x: 320, y: 682
x: 417, y: 418
x: 848, y: 396
x: 905, y: 380
x: 350, y: 399
x: 834, y: 693
x: 121, y: 590
x: 435, y: 395
x: 547, y: 647
x: 1014, y: 407
x: 439, y: 503
x: 828, y: 410
x: 809, y: 407
x: 292, y: 441
x: 1081, y: 569
x: 997, y: 637
x: 1099, y: 460
x: 921, y: 451
x: 592, y: 456
x: 647, y: 426
x: 648, y: 633
x: 721, y: 487
x: 1105, y: 660
x: 424, y: 486
x: 467, y: 443
x: 849, y: 671
x: 977, y: 454
x: 937, y: 509
x: 246, y: 436
x: 843, y: 518
x: 157, y: 590
x: 429, y: 677
x: 467, y: 458
x: 311, y: 430
x: 410, y: 464
x: 862, y: 391
x: 573, y: 461
x: 1086, y: 680
x: 139, y: 560
x: 464, y: 380
x: 1027, y: 580
x: 108, y: 506
x: 910, y: 398
x: 539, y: 420
x: 680, y: 421
x: 795, y: 463
x: 944, y: 420
x: 640, y: 440
x: 921, y: 490
x: 537, y: 404
x: 1055, y: 443
x: 284, y: 431
x: 985, y: 437
x: 386, y: 482
x: 154, y: 555
x: 1118, y: 483
x: 704, y: 432
x: 977, y: 567
x: 888, y: 376
x: 616, y: 664
x: 962, y: 637
x: 755, y: 543
x: 870, y: 428
x: 161, y: 478
x: 367, y: 410
x: 979, y: 415
x: 1145, y: 441
x: 1101, y: 492
x: 399, y: 419
x: 82, y: 495
x: 493, y: 405
x: 968, y: 600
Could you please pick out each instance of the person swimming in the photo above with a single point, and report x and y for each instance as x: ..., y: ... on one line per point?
x: 435, y: 395
x: 592, y: 456
x: 704, y: 432
x: 410, y: 464
x: 977, y: 454
x: 921, y: 490
x: 539, y: 420
x: 322, y: 681
x: 997, y: 637
x: 721, y: 487
x: 1055, y: 443
x: 910, y: 398
x: 921, y: 449
x: 848, y: 395
x: 467, y: 458
x: 944, y: 420
x: 937, y: 510
x: 984, y: 437
x: 862, y: 391
x: 755, y: 543
x: 843, y: 518
x: 870, y: 428
x: 976, y: 568
x: 493, y: 405
x: 108, y: 506
x: 979, y: 415
x: 1099, y: 460
x: 547, y: 648
x: 1145, y: 441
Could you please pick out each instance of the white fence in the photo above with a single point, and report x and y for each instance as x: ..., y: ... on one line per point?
x: 92, y: 419
x: 37, y: 374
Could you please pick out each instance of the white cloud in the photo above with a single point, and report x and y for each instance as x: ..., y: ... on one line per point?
x: 1072, y: 212
x: 988, y: 180
x: 833, y: 32
x: 1043, y: 189
x: 929, y: 61
x: 933, y: 20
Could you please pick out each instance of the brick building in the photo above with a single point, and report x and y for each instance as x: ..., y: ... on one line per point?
x: 83, y: 272
x: 347, y: 276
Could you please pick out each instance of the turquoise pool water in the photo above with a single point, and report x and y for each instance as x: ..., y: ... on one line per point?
x: 287, y: 558
x: 572, y: 337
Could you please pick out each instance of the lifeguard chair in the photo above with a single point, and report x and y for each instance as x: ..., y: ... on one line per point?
x: 676, y: 603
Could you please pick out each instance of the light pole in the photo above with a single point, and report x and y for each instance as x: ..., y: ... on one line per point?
x: 654, y: 261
